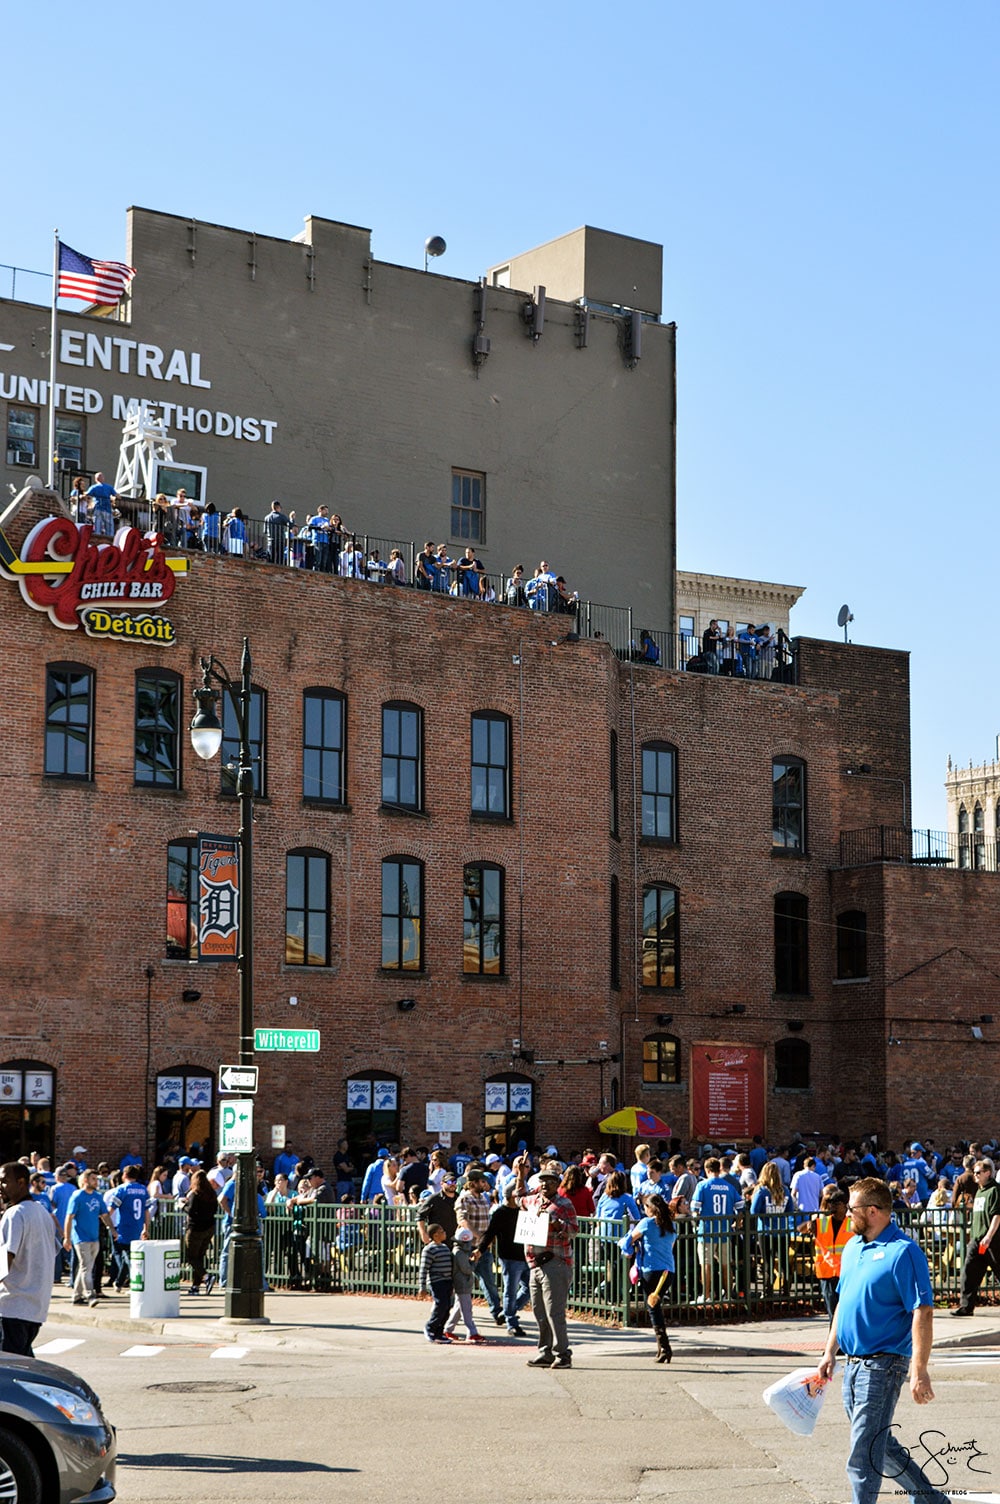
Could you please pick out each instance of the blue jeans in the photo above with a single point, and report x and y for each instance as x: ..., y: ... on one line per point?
x: 442, y: 1291
x: 516, y: 1294
x: 871, y: 1390
x: 488, y: 1280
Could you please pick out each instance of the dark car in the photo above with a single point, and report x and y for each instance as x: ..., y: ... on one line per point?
x: 55, y: 1445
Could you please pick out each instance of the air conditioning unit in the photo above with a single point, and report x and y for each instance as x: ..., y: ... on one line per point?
x: 24, y: 457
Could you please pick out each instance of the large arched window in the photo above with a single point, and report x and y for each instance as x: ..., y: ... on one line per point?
x: 791, y: 943
x: 963, y: 837
x: 27, y: 1109
x: 258, y: 742
x: 490, y: 770
x: 371, y: 1113
x: 660, y: 926
x: 157, y: 728
x: 307, y: 908
x: 791, y: 1065
x: 402, y: 914
x: 69, y: 721
x: 483, y: 926
x: 402, y: 756
x: 324, y: 740
x: 659, y: 791
x: 852, y: 945
x: 509, y: 1112
x: 184, y: 1101
x: 661, y: 1059
x: 788, y: 797
x: 978, y: 838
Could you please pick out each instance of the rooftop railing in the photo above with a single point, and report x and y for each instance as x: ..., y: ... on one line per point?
x: 874, y: 844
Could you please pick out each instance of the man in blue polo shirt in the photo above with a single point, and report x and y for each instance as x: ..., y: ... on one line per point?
x: 884, y: 1325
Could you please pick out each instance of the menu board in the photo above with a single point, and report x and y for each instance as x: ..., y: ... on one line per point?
x: 727, y: 1092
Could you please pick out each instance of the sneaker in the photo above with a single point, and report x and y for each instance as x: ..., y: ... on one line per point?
x: 475, y: 1337
x: 544, y: 1360
x: 564, y: 1362
x: 195, y: 1290
x: 79, y: 1301
x: 499, y: 1318
x: 958, y: 1311
x: 92, y: 1301
x: 516, y: 1331
x: 209, y: 1282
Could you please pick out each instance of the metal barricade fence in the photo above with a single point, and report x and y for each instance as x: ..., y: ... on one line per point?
x: 725, y: 1270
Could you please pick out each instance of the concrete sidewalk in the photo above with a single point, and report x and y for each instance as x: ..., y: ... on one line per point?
x: 303, y: 1317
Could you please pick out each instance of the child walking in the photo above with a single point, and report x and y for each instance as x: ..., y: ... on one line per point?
x: 435, y: 1278
x: 463, y: 1277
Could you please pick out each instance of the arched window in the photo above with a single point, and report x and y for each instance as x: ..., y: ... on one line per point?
x: 69, y: 721
x: 791, y: 1065
x: 490, y: 772
x: 660, y: 927
x: 157, y: 728
x: 483, y: 931
x: 509, y: 1112
x: 27, y: 1109
x: 307, y: 908
x: 659, y: 791
x: 182, y: 901
x: 184, y: 1101
x: 324, y: 742
x: 661, y: 1059
x: 964, y: 854
x: 788, y: 794
x: 402, y: 914
x: 371, y: 1113
x: 978, y: 839
x: 258, y: 742
x: 852, y: 944
x: 402, y: 756
x: 791, y: 943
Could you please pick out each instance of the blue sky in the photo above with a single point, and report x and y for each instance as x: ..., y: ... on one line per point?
x: 823, y: 178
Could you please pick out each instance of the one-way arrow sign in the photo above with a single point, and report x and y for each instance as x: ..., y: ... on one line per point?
x: 238, y: 1078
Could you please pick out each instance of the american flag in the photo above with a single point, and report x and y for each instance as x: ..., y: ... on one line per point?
x: 91, y: 281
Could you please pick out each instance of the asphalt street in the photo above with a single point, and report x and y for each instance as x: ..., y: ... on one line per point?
x: 340, y: 1398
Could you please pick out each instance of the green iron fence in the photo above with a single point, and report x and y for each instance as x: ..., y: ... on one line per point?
x: 725, y: 1271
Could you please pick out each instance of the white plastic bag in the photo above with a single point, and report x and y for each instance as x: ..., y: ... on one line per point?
x: 797, y: 1399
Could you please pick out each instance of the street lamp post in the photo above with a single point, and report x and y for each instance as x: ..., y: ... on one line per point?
x: 245, y: 1275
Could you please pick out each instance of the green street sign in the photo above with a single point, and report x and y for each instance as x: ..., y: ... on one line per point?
x: 286, y: 1039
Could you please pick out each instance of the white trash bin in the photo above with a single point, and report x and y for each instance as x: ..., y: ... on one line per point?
x: 155, y: 1278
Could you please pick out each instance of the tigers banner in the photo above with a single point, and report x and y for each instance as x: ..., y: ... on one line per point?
x: 218, y: 898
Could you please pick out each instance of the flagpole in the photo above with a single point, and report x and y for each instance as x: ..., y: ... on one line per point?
x: 52, y: 361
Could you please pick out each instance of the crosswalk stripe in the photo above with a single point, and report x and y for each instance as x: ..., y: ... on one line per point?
x: 141, y: 1350
x: 59, y: 1345
x: 229, y: 1352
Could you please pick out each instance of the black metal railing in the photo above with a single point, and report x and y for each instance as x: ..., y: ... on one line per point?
x: 966, y: 852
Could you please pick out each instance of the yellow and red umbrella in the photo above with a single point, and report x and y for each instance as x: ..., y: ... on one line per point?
x: 636, y: 1122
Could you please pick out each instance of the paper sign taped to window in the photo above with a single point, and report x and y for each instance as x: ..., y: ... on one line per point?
x: 532, y: 1229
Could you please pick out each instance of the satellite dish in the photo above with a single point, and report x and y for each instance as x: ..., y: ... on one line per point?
x: 434, y: 245
x: 844, y: 615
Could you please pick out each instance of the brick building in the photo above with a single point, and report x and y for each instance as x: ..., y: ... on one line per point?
x: 495, y: 865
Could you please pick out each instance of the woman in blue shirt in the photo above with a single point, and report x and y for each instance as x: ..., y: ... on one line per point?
x: 615, y: 1206
x: 653, y: 1241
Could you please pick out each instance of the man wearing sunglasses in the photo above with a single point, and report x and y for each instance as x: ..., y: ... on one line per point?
x: 884, y: 1326
x: 983, y: 1252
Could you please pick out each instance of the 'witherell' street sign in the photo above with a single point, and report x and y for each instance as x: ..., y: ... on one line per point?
x: 286, y: 1039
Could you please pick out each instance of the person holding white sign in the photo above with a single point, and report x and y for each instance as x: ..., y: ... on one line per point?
x: 546, y: 1228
